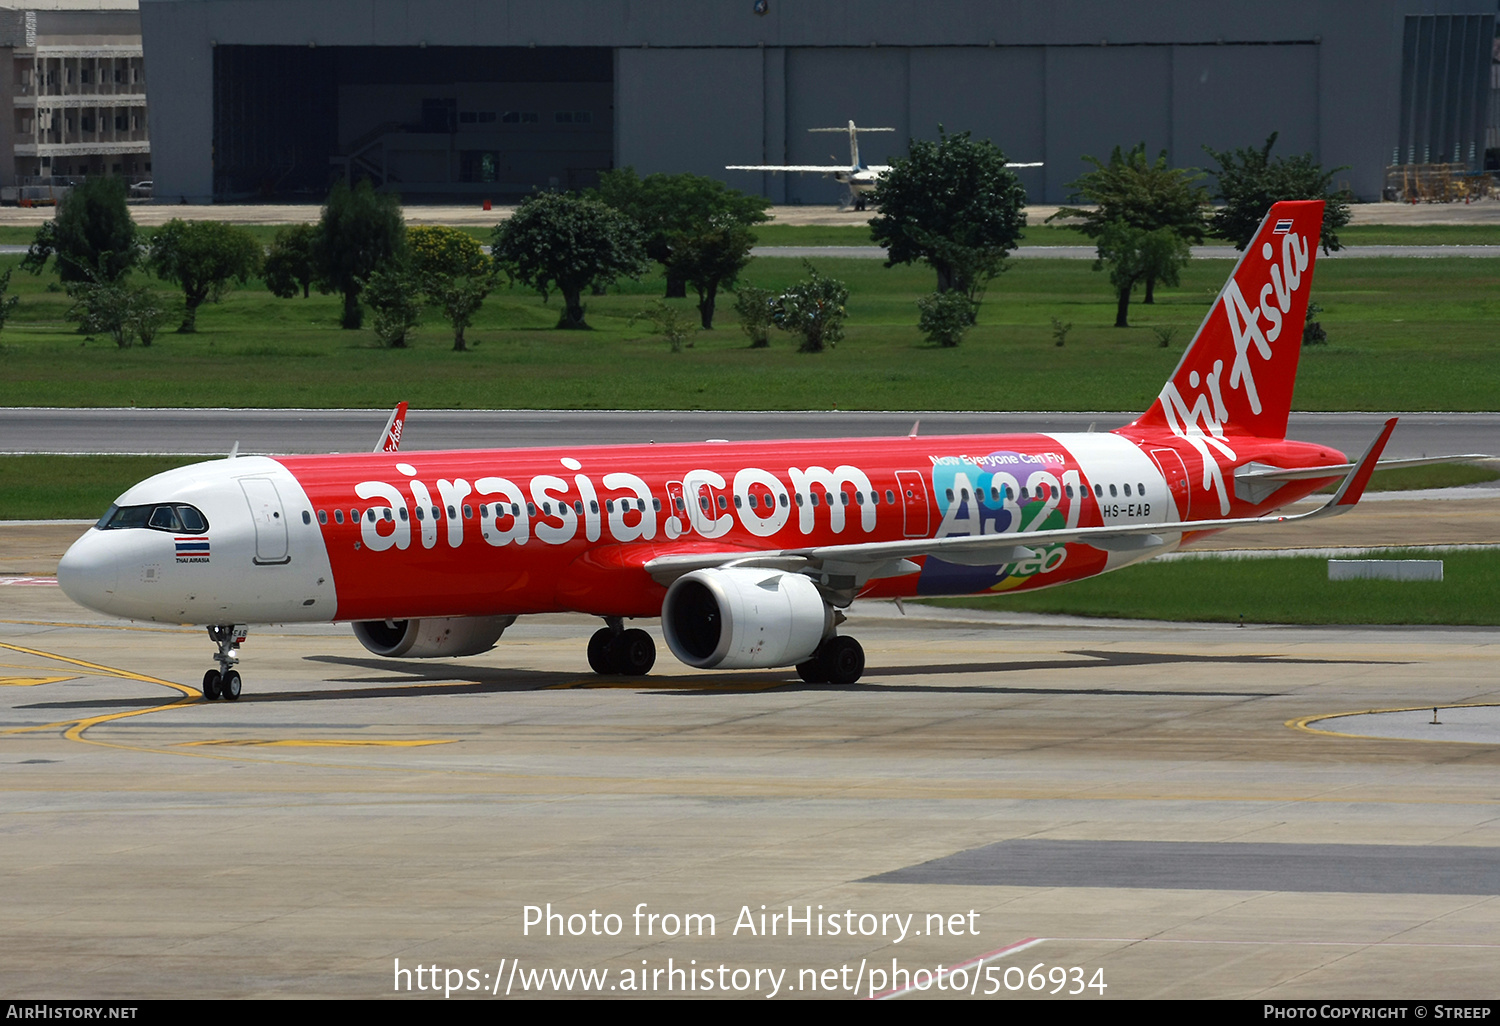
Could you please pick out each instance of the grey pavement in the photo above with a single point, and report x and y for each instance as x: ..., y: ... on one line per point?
x: 214, y: 431
x: 1088, y: 253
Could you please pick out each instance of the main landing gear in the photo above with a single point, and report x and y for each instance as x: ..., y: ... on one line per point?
x: 839, y: 660
x: 225, y: 681
x: 615, y: 650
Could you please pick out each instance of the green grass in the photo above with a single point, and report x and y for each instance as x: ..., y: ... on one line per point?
x: 1399, y: 332
x: 1290, y: 590
x: 72, y: 487
x: 1441, y: 475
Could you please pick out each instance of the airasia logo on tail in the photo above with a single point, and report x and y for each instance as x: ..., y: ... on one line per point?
x: 1275, y: 301
x: 1236, y: 378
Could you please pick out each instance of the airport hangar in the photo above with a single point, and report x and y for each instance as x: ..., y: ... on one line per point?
x: 463, y: 100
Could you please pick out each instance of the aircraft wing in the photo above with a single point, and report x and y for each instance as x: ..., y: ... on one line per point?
x: 1255, y: 472
x: 826, y: 169
x: 892, y: 558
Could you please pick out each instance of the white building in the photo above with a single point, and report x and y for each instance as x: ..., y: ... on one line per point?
x: 72, y: 93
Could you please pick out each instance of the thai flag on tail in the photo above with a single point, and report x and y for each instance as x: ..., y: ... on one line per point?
x: 1283, y: 226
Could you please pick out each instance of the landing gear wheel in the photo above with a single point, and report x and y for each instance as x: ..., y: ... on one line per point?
x: 211, y: 685
x: 842, y: 660
x: 601, y: 654
x: 811, y: 671
x: 634, y: 653
x: 229, y: 687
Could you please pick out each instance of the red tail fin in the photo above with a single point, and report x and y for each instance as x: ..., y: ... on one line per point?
x: 1237, y: 375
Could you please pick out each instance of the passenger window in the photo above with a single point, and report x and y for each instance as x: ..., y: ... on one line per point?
x: 723, y: 502
x: 656, y: 505
x: 338, y: 516
x: 1112, y: 491
x: 322, y: 516
x: 890, y: 497
x: 1127, y: 491
x: 468, y: 512
x: 306, y: 517
x: 1098, y: 491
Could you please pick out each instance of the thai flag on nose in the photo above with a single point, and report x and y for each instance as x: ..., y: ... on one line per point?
x: 1283, y: 226
x: 192, y: 546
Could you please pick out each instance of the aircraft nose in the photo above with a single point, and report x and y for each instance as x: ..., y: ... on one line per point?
x: 89, y: 571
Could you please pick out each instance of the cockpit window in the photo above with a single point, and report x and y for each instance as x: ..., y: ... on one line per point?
x: 177, y: 518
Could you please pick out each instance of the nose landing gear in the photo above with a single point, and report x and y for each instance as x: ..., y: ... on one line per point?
x: 225, y: 681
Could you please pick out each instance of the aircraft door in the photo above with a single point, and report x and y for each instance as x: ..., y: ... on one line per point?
x: 270, y: 524
x: 1169, y: 461
x: 677, y: 511
x: 914, y: 504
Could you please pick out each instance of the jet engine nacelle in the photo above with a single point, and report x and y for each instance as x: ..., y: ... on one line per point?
x: 744, y: 618
x: 424, y: 639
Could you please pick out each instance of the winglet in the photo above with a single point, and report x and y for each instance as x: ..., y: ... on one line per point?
x: 1354, y: 485
x: 390, y: 438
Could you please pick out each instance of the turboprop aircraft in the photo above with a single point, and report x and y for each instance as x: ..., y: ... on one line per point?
x: 749, y: 552
x: 858, y: 177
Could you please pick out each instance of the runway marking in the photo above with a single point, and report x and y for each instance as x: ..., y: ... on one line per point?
x: 32, y: 582
x: 1303, y: 723
x: 31, y: 682
x: 316, y: 743
x: 75, y: 728
x: 976, y: 962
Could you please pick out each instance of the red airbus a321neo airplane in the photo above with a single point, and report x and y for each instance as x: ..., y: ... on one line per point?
x: 748, y: 552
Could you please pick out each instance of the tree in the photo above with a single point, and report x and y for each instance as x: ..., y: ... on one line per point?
x: 678, y: 214
x: 1132, y: 254
x: 1143, y: 195
x: 93, y: 236
x: 394, y: 293
x: 454, y: 272
x: 710, y: 260
x: 360, y: 232
x: 954, y: 204
x: 289, y: 264
x: 124, y: 313
x: 813, y: 309
x: 203, y: 257
x: 1250, y: 181
x: 8, y: 304
x: 755, y: 307
x: 555, y: 241
x: 945, y: 317
x: 667, y: 321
